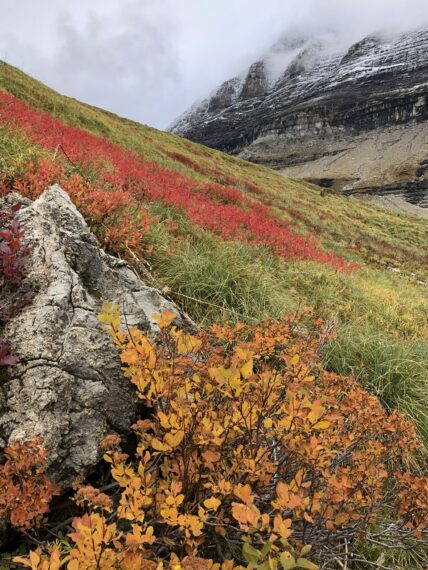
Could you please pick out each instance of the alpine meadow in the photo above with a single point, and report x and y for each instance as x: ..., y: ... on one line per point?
x: 278, y: 390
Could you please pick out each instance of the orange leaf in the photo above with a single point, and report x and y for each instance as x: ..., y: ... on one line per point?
x: 244, y: 493
x: 212, y: 503
x: 174, y: 440
x: 165, y: 319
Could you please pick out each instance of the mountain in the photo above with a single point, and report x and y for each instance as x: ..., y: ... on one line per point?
x: 350, y: 118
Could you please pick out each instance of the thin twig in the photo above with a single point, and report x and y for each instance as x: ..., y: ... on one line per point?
x: 60, y: 147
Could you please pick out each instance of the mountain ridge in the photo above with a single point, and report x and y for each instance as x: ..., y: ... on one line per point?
x: 312, y: 120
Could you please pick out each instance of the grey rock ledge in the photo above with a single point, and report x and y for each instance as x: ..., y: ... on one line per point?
x: 68, y: 387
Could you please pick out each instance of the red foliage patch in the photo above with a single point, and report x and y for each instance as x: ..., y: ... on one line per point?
x: 135, y: 179
x: 13, y: 252
x: 25, y: 490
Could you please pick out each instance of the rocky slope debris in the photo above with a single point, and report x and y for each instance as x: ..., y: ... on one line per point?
x: 353, y: 118
x: 68, y: 386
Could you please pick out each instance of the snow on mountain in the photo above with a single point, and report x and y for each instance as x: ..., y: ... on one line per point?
x: 308, y: 99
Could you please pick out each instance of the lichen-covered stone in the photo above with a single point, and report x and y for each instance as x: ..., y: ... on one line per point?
x: 68, y: 387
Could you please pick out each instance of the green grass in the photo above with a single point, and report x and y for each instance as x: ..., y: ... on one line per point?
x: 15, y: 153
x: 224, y: 282
x: 214, y: 280
x: 394, y: 369
x: 413, y: 557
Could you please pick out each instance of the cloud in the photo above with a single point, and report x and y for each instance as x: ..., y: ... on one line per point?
x: 150, y: 59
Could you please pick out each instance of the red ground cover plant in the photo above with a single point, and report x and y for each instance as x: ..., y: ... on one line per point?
x: 187, y: 161
x: 119, y: 220
x: 122, y: 170
x: 25, y: 490
x: 12, y: 249
x: 220, y: 177
x: 13, y: 252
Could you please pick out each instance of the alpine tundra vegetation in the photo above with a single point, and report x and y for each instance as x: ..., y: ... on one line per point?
x: 203, y: 363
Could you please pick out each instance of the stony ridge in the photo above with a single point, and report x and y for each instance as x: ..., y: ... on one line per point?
x: 314, y: 117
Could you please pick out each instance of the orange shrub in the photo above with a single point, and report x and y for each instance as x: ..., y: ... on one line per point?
x: 252, y: 454
x: 25, y: 490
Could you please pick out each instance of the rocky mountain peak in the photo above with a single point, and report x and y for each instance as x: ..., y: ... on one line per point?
x: 360, y: 49
x: 256, y: 82
x: 320, y: 110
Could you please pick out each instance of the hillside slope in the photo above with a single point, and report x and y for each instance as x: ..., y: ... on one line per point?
x: 351, y: 118
x: 228, y: 239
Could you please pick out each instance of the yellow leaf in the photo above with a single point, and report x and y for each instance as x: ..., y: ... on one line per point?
x: 308, y: 379
x: 303, y: 563
x: 212, y: 503
x: 110, y: 315
x: 165, y: 318
x: 174, y: 440
x: 235, y: 382
x: 295, y: 360
x: 159, y: 446
x: 188, y: 344
x: 164, y: 420
x: 247, y: 369
x: 220, y: 374
x: 322, y: 425
x: 268, y: 423
x: 32, y: 562
x: 35, y: 558
x: 21, y: 560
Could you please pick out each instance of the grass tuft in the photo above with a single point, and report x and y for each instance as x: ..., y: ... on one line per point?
x: 394, y: 369
x: 226, y: 281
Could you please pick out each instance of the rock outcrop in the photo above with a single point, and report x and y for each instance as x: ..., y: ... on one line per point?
x: 351, y: 118
x: 68, y: 387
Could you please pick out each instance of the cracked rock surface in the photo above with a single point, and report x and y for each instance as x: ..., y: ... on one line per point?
x: 68, y: 387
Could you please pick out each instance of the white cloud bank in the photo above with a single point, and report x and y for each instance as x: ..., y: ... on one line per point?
x: 150, y: 59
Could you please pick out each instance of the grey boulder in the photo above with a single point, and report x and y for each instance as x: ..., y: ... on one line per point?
x: 68, y: 387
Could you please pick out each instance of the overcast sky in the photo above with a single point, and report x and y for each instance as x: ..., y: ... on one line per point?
x: 151, y: 59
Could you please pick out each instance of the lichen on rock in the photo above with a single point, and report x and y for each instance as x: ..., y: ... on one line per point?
x: 68, y: 386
